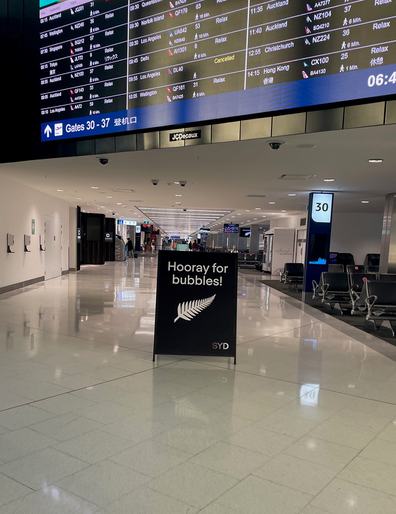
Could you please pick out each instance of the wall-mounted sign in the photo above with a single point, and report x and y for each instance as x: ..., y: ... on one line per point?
x: 109, y: 237
x: 196, y: 307
x: 183, y: 136
x: 33, y: 227
x: 138, y: 229
x: 322, y: 207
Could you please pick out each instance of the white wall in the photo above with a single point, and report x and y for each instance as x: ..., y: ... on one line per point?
x: 288, y: 222
x: 18, y: 206
x: 356, y: 233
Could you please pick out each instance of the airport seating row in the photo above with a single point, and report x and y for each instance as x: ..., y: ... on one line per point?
x: 367, y: 293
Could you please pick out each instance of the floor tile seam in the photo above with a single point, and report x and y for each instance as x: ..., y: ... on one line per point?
x: 82, y: 388
x: 52, y: 447
x: 353, y: 427
x: 283, y: 485
x: 338, y: 474
x: 17, y: 481
x: 95, y: 465
x: 205, y: 469
x: 366, y: 486
x: 278, y: 333
x: 173, y: 498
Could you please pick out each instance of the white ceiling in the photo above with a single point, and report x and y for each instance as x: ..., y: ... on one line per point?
x: 221, y: 176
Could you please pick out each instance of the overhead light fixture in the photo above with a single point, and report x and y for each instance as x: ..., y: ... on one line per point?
x: 78, y: 198
x: 328, y: 180
x: 257, y: 208
x: 94, y: 187
x: 365, y: 201
x: 255, y: 219
x: 248, y: 221
x: 271, y: 203
x: 283, y: 210
x: 177, y: 203
x: 291, y: 194
x: 60, y: 190
x: 109, y: 197
x: 178, y: 195
x: 263, y: 216
x: 239, y: 214
x: 376, y: 161
x: 119, y: 203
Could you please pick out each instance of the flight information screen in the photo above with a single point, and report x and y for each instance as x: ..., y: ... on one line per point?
x: 110, y: 66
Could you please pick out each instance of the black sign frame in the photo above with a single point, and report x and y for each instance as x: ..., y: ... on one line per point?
x: 196, y: 304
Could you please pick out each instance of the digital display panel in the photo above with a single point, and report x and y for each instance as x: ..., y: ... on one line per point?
x: 244, y: 232
x: 109, y: 66
x: 231, y: 228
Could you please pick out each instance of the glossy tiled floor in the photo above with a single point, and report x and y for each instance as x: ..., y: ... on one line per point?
x: 305, y: 423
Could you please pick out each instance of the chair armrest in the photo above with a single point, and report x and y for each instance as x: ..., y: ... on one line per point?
x: 325, y: 288
x: 370, y: 301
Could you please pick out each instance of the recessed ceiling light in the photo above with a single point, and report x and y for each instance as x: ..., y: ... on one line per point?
x: 177, y: 203
x: 247, y: 210
x: 109, y: 197
x: 365, y: 201
x: 178, y: 195
x: 257, y: 208
x: 177, y: 182
x: 102, y: 206
x: 263, y: 216
x: 78, y: 198
x: 271, y: 203
x: 239, y: 214
x: 283, y: 210
x: 248, y: 221
x: 94, y: 187
x: 255, y: 219
x: 329, y: 180
x: 119, y: 203
x: 291, y: 194
x: 60, y: 190
x: 376, y: 160
x: 232, y: 216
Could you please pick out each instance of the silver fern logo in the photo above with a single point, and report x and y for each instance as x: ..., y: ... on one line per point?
x: 188, y: 310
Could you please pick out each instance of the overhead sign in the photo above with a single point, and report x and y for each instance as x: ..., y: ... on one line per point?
x: 322, y: 207
x: 183, y: 136
x: 196, y: 308
x: 127, y: 222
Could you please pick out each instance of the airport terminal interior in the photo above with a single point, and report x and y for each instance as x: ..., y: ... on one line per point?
x: 306, y: 420
x: 198, y: 275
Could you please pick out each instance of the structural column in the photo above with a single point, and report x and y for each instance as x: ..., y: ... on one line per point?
x: 254, y: 239
x: 388, y: 241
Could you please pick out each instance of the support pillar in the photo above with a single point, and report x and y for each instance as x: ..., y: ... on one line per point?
x: 388, y: 241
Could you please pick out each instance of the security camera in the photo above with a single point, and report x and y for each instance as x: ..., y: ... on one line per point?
x: 183, y: 183
x: 275, y: 145
x: 113, y: 213
x: 154, y: 181
x: 103, y: 162
x: 184, y: 210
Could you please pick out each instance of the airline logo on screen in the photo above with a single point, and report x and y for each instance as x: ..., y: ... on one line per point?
x: 322, y: 204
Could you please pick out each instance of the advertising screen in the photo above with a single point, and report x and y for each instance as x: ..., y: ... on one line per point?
x: 244, y: 232
x: 110, y: 66
x: 231, y: 228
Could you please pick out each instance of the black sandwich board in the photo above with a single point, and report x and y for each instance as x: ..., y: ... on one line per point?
x: 196, y: 309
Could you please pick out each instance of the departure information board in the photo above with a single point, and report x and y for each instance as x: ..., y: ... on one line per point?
x: 109, y: 66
